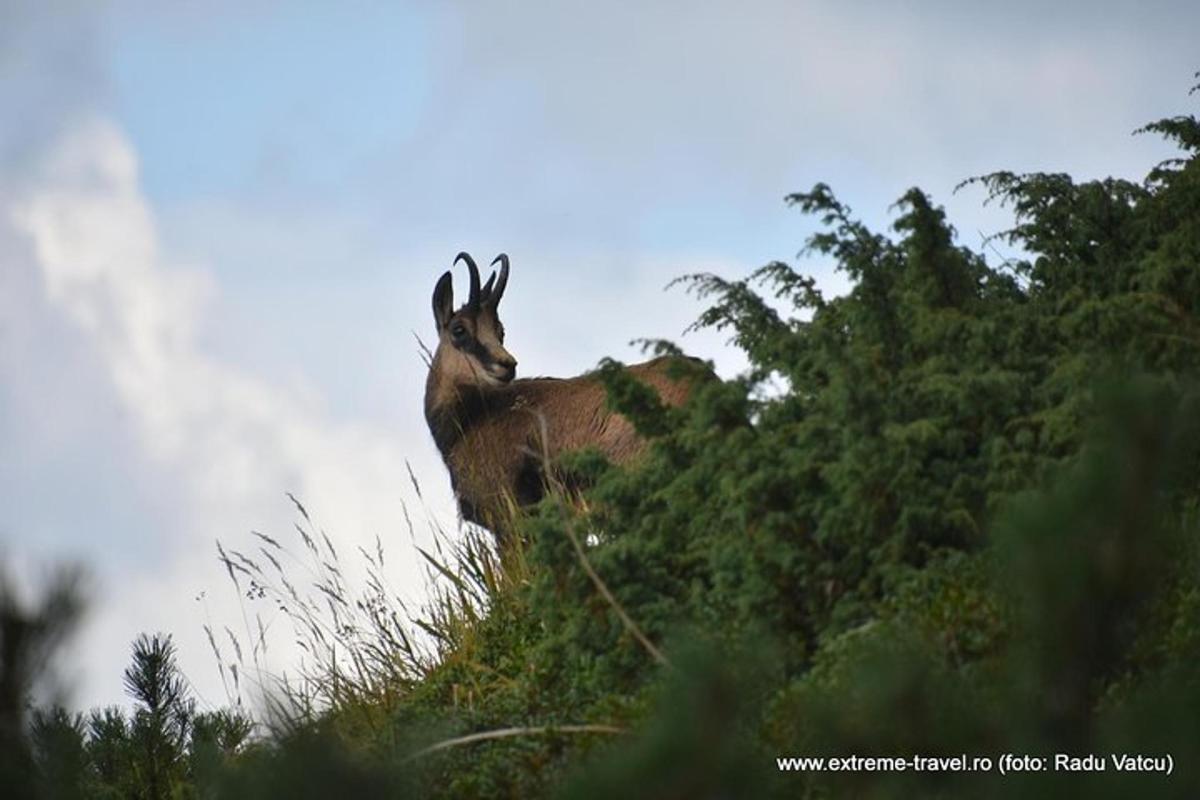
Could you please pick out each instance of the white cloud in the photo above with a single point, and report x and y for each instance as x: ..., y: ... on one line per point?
x: 234, y: 441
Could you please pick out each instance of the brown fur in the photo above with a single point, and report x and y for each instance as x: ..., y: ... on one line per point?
x: 495, y: 434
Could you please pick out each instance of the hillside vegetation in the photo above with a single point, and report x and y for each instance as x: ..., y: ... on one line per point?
x: 953, y: 511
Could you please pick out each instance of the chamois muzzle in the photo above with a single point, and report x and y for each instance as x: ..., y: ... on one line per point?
x: 504, y: 370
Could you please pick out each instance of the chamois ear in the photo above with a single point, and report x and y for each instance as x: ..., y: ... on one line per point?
x: 443, y: 300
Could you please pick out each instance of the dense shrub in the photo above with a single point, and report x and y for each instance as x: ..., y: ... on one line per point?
x: 956, y: 506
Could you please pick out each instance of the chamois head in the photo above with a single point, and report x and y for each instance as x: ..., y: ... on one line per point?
x: 470, y: 346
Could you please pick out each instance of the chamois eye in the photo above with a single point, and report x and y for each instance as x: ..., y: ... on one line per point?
x: 458, y: 330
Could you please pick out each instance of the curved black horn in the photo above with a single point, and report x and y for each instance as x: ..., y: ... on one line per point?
x: 473, y: 299
x: 498, y: 292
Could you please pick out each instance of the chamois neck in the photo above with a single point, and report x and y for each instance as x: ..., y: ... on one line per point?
x: 454, y: 407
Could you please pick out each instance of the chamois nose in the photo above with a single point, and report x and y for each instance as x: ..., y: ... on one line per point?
x: 505, y: 369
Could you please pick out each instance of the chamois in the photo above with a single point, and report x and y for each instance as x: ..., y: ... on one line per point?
x: 496, y: 433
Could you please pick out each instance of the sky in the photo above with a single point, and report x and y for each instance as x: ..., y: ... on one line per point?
x: 221, y: 224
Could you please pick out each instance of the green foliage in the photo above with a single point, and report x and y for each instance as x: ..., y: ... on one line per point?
x: 57, y: 737
x: 309, y: 763
x: 30, y: 633
x: 956, y: 502
x: 164, y: 749
x: 1067, y: 586
x: 111, y: 754
x: 162, y: 717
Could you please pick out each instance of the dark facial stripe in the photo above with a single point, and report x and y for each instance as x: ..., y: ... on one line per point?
x: 474, y: 348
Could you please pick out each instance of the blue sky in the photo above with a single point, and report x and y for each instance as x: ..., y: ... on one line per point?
x: 220, y: 225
